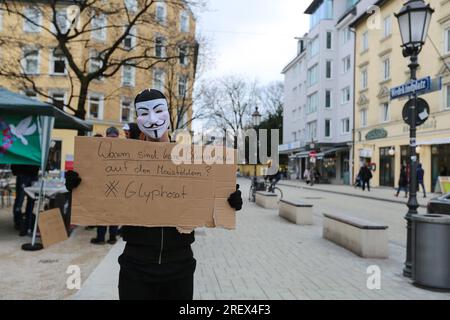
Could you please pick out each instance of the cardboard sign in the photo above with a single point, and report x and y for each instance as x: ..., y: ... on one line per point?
x: 51, y: 227
x: 142, y: 183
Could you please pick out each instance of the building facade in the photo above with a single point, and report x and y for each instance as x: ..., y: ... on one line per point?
x: 319, y: 95
x: 167, y: 28
x: 381, y: 136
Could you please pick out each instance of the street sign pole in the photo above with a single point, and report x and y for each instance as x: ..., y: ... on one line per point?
x: 412, y: 202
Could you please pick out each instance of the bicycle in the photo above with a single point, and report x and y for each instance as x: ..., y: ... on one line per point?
x: 274, y: 189
x: 263, y: 186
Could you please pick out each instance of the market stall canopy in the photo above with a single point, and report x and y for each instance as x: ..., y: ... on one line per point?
x: 11, y: 102
x: 64, y: 120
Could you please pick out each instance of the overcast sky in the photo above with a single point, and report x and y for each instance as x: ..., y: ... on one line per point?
x: 253, y: 38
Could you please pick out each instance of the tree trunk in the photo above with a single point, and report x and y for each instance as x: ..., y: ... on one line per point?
x: 81, y: 111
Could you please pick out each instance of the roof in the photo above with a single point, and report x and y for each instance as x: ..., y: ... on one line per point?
x: 352, y: 11
x: 11, y: 102
x: 293, y: 61
x: 367, y: 13
x: 313, y: 6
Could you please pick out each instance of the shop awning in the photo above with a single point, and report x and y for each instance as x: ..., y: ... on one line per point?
x: 333, y: 150
x: 434, y: 142
x: 304, y: 154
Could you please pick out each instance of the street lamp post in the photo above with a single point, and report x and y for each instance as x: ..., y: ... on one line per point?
x: 414, y: 20
x: 256, y: 117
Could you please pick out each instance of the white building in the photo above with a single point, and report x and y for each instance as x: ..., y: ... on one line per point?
x: 319, y: 97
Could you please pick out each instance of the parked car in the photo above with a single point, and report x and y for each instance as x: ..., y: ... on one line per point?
x: 439, y: 205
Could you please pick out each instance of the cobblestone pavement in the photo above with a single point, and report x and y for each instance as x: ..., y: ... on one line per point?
x: 380, y: 193
x: 42, y: 275
x: 391, y: 214
x: 267, y: 257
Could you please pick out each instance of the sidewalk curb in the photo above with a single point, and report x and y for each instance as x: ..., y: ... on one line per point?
x: 348, y: 194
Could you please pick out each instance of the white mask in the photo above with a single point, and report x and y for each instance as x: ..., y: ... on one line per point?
x: 153, y: 117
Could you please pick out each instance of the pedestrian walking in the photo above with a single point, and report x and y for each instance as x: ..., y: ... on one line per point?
x: 420, y: 176
x: 365, y: 175
x: 316, y: 174
x: 403, y: 181
x: 307, y: 176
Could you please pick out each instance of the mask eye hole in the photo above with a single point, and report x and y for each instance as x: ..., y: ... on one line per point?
x: 158, y: 111
x: 144, y: 114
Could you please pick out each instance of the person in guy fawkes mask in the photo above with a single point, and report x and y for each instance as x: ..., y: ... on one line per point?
x: 158, y: 262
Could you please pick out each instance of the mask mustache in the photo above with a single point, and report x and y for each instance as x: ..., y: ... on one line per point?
x: 155, y: 125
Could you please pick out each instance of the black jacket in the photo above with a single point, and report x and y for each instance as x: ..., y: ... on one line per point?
x: 25, y: 170
x: 365, y: 174
x: 403, y: 180
x: 156, y: 245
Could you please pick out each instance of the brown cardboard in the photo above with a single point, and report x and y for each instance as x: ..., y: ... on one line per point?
x: 137, y: 183
x: 51, y: 227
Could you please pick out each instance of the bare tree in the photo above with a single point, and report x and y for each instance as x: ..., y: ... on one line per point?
x: 88, y: 59
x: 271, y: 98
x: 181, y: 103
x: 229, y: 102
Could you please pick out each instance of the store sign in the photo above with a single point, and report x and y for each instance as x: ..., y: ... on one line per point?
x: 289, y: 146
x: 429, y: 125
x: 376, y: 134
x: 365, y: 153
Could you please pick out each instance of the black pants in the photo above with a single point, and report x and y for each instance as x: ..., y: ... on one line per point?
x: 21, y: 183
x: 273, y: 184
x: 421, y: 184
x: 135, y: 288
x: 366, y: 182
x: 101, y: 232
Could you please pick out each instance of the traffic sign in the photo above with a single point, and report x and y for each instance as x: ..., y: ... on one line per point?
x: 411, y: 87
x: 422, y: 109
x: 312, y: 154
x: 420, y: 87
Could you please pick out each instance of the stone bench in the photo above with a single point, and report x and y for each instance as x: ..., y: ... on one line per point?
x: 296, y: 211
x: 266, y: 200
x: 365, y: 238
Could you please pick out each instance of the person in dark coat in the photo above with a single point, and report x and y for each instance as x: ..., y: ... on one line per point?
x: 25, y: 176
x: 420, y: 181
x: 365, y: 176
x: 403, y: 182
x: 157, y: 263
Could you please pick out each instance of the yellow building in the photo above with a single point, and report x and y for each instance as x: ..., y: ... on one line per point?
x: 381, y: 136
x: 165, y: 32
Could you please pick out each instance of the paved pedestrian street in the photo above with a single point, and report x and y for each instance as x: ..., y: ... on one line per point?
x: 267, y: 257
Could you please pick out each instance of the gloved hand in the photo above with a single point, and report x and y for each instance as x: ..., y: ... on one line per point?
x: 235, y: 199
x: 73, y: 180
